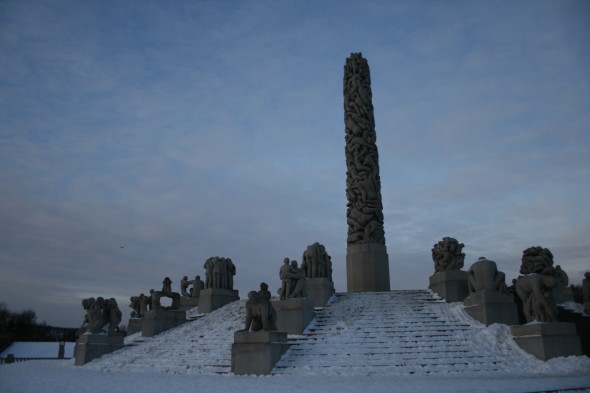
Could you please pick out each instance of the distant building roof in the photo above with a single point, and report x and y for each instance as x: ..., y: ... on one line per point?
x: 21, y: 349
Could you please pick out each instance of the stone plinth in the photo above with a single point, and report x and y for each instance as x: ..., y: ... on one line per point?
x: 451, y: 285
x: 186, y: 303
x: 158, y: 321
x: 213, y: 298
x: 293, y: 315
x: 257, y: 352
x: 135, y: 325
x: 92, y: 346
x: 319, y: 290
x: 367, y: 267
x: 548, y: 340
x: 489, y: 306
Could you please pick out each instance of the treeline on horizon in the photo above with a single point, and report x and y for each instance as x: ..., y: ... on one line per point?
x: 23, y: 326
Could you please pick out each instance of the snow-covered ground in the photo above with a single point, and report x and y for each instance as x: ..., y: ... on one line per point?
x: 188, y: 357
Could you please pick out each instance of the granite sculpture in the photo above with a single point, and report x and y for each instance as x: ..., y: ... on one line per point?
x: 219, y: 273
x: 197, y: 285
x: 165, y: 292
x: 536, y: 287
x: 447, y: 255
x: 293, y: 279
x: 102, y: 316
x: 260, y: 314
x: 586, y: 292
x: 316, y: 262
x: 483, y: 274
x: 367, y: 261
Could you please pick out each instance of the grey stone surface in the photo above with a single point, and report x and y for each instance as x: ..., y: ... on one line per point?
x: 586, y: 292
x: 447, y: 255
x: 484, y: 274
x: 102, y: 316
x: 214, y: 298
x: 536, y: 293
x: 92, y: 346
x: 293, y: 280
x: 367, y: 268
x: 319, y: 291
x: 159, y: 320
x: 219, y: 273
x: 316, y: 262
x: 257, y: 352
x: 135, y: 325
x: 490, y: 306
x: 548, y: 340
x: 450, y: 285
x: 363, y: 183
x: 293, y: 315
x: 186, y: 303
x: 260, y: 314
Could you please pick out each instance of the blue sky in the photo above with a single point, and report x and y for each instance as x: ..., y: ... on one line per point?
x: 184, y: 130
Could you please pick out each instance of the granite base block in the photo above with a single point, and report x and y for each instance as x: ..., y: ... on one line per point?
x: 257, y: 352
x: 548, y: 340
x: 450, y: 285
x: 211, y: 299
x: 367, y: 268
x: 488, y: 307
x: 92, y: 346
x: 293, y: 315
x: 319, y: 291
x: 135, y: 325
x: 158, y: 321
x: 187, y: 303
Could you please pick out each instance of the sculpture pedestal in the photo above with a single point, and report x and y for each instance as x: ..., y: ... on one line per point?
x: 92, y: 346
x: 490, y: 306
x: 135, y: 325
x: 257, y: 352
x: 186, y: 303
x: 213, y: 298
x: 451, y: 285
x: 293, y: 315
x: 158, y: 321
x: 548, y: 340
x: 367, y: 267
x: 319, y: 290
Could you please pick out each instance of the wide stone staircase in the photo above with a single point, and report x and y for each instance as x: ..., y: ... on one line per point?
x: 384, y: 333
x: 400, y: 333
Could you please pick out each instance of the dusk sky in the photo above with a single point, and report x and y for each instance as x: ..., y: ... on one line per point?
x: 139, y: 138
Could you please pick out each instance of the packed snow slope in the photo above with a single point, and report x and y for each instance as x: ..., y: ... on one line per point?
x: 397, y: 333
x: 398, y: 341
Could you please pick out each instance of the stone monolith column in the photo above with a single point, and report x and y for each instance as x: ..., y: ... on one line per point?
x: 367, y: 263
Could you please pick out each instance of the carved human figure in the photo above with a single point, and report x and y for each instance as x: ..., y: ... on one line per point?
x: 264, y: 293
x: 285, y: 279
x: 198, y: 284
x: 484, y: 274
x: 260, y: 314
x: 231, y: 272
x: 447, y: 255
x: 208, y: 266
x: 298, y: 281
x: 143, y: 304
x: 96, y: 316
x: 184, y: 283
x: 316, y: 262
x: 561, y: 276
x: 535, y: 292
x: 167, y: 285
x: 537, y: 260
x: 114, y: 315
x: 134, y: 304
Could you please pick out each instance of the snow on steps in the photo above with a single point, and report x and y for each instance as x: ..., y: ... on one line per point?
x: 399, y: 333
x: 386, y: 333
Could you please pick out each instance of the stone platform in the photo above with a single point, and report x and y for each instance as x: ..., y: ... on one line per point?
x: 451, y: 285
x: 293, y: 315
x: 490, y: 306
x: 135, y: 325
x: 548, y: 340
x: 213, y: 298
x: 158, y: 321
x: 187, y: 303
x: 92, y: 346
x: 257, y: 352
x: 319, y: 290
x: 367, y: 267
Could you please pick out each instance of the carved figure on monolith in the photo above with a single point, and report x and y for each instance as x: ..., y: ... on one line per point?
x: 260, y: 314
x: 366, y: 261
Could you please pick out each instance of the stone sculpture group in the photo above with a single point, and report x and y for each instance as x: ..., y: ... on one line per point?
x: 219, y: 273
x: 316, y: 262
x: 260, y: 314
x: 447, y: 255
x: 102, y: 316
x: 293, y: 281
